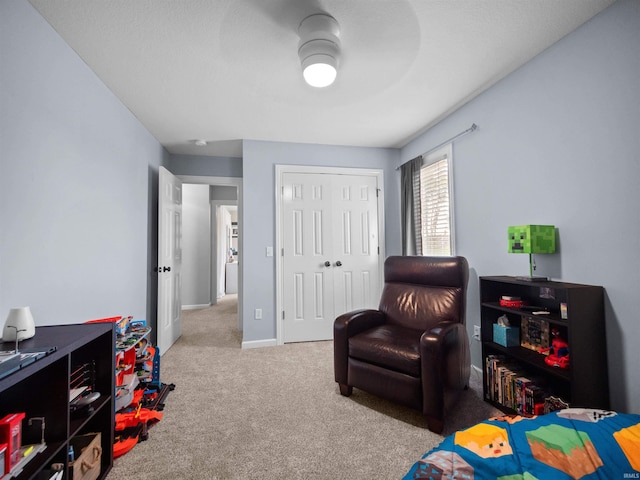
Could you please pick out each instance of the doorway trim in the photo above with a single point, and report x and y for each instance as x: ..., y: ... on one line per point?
x: 280, y: 171
x: 226, y: 181
x: 214, y: 206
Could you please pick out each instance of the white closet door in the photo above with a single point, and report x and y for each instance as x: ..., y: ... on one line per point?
x: 330, y: 258
x: 355, y: 243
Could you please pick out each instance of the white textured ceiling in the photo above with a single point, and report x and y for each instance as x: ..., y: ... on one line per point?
x: 227, y: 70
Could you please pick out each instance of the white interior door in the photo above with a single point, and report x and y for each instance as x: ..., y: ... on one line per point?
x: 330, y: 251
x: 307, y: 244
x: 355, y: 243
x: 169, y: 327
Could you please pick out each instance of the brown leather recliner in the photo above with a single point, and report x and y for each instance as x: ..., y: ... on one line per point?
x: 413, y: 350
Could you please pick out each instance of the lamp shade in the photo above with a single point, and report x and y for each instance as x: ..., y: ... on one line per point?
x: 19, y: 322
x: 532, y: 239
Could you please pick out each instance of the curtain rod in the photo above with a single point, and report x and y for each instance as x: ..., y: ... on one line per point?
x: 472, y: 128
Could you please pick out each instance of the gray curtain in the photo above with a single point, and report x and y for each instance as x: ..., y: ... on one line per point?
x: 410, y: 209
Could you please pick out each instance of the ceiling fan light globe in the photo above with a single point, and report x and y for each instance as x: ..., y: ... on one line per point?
x: 321, y: 73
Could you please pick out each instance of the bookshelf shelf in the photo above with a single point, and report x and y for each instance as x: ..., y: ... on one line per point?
x: 534, y: 361
x: 585, y: 382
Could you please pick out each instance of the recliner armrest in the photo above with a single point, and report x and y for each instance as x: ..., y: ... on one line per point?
x: 352, y: 323
x: 433, y: 338
x: 435, y: 341
x: 345, y: 326
x: 445, y: 362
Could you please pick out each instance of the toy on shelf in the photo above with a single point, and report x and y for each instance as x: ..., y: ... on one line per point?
x: 558, y: 351
x: 139, y: 392
x: 133, y: 422
x: 11, y: 434
x: 511, y: 301
x: 82, y: 389
x: 15, y: 455
x: 134, y: 357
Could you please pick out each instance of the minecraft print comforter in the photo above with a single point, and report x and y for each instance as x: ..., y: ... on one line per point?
x: 572, y: 443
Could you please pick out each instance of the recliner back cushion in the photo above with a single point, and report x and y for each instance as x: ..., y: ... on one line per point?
x: 420, y: 292
x: 420, y: 307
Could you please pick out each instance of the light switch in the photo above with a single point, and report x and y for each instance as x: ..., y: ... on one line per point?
x: 269, y: 251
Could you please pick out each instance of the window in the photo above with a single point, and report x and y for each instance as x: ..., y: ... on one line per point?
x: 436, y: 202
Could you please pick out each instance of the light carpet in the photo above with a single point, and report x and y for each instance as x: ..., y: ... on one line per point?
x: 275, y: 413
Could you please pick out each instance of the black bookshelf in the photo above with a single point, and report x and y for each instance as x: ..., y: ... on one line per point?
x: 585, y: 382
x: 41, y: 389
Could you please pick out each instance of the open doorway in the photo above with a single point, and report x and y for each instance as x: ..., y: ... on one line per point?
x: 225, y: 248
x: 215, y: 217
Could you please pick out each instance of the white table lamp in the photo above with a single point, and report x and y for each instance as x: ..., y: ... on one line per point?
x: 19, y: 325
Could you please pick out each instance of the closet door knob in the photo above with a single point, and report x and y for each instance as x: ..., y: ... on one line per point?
x: 338, y: 263
x: 327, y: 263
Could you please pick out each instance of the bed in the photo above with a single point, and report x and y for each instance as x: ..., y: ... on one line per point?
x: 571, y: 443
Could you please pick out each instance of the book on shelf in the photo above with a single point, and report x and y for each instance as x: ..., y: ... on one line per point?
x: 536, y: 398
x: 521, y: 388
x: 508, y: 384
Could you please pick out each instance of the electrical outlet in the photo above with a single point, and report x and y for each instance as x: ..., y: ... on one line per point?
x: 258, y: 314
x: 476, y: 332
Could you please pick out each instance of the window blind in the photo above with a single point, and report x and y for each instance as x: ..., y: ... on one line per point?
x: 435, y: 215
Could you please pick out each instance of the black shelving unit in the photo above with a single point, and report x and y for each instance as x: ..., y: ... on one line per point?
x: 585, y: 382
x: 41, y: 389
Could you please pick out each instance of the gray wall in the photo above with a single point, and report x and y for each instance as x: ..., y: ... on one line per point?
x: 205, y: 166
x: 258, y: 232
x: 225, y: 193
x: 196, y: 245
x: 559, y: 144
x: 79, y: 174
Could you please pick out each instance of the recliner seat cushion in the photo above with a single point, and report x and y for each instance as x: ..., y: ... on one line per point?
x: 391, y: 346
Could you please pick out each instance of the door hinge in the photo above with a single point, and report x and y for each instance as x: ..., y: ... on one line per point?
x: 378, y: 192
x: 283, y: 314
x: 378, y: 249
x: 282, y: 251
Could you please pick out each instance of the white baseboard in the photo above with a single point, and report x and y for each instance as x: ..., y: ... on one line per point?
x: 195, y: 307
x: 476, y: 373
x: 260, y: 343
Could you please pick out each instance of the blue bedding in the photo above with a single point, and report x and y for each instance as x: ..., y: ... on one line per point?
x: 572, y: 443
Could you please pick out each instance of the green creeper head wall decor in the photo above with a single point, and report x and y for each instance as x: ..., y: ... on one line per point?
x: 532, y: 239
